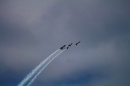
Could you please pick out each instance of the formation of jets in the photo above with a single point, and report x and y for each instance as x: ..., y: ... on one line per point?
x: 63, y: 47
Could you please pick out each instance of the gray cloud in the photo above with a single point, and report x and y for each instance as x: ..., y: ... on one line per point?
x: 31, y: 30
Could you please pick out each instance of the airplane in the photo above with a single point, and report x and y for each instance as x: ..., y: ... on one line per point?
x: 77, y: 43
x: 67, y: 47
x: 62, y: 47
x: 70, y: 44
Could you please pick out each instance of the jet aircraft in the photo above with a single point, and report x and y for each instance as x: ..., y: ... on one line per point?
x: 62, y: 47
x: 77, y: 43
x: 67, y: 47
x: 70, y: 44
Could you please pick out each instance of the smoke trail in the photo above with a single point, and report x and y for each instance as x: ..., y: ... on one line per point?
x: 36, y: 69
x: 43, y: 68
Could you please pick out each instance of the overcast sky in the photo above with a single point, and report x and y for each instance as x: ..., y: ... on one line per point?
x: 33, y: 29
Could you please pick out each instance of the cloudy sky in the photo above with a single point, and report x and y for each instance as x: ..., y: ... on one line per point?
x: 33, y: 29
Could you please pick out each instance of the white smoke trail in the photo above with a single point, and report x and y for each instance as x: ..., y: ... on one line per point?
x: 43, y: 68
x: 36, y: 69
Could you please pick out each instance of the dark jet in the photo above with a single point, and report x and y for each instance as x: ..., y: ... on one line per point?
x: 62, y: 47
x: 67, y: 47
x: 77, y: 43
x: 70, y: 44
